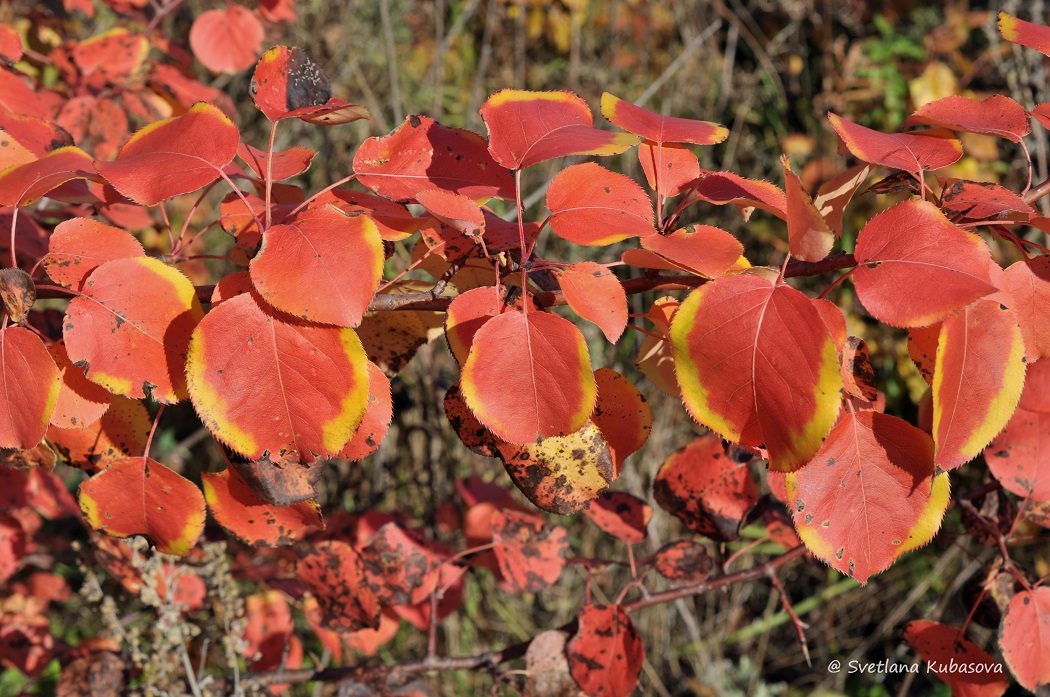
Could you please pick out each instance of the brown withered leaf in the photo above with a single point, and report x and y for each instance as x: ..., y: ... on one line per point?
x: 281, y: 481
x: 858, y: 377
x: 18, y: 293
x: 40, y: 456
x: 99, y: 674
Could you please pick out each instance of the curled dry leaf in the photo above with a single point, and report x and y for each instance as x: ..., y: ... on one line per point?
x: 18, y: 293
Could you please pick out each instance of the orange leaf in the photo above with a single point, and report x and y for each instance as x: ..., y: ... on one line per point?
x: 670, y: 170
x: 593, y: 206
x: 24, y: 184
x: 594, y: 293
x: 622, y: 415
x: 166, y: 507
x: 977, y: 675
x: 606, y: 655
x: 1027, y: 282
x: 80, y: 402
x: 335, y: 574
x: 227, y: 41
x: 531, y: 554
x: 288, y: 83
x: 80, y: 245
x: 660, y: 129
x: 995, y: 116
x: 376, y: 421
x: 809, y: 236
x: 119, y: 433
x: 253, y: 521
x: 1018, y: 31
x: 1024, y: 637
x: 31, y: 387
x: 702, y: 249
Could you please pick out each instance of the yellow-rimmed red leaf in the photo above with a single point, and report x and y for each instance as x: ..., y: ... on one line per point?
x: 1027, y: 282
x: 376, y: 421
x: 757, y: 364
x: 526, y: 128
x: 914, y: 152
x: 561, y: 474
x: 422, y: 154
x: 622, y: 414
x: 976, y: 674
x: 32, y: 136
x: 869, y: 495
x: 591, y: 205
x: 467, y: 313
x: 470, y: 431
x: 227, y: 41
x: 915, y: 268
x: 134, y: 343
x: 670, y: 170
x: 660, y: 129
x: 707, y: 490
x: 1027, y: 34
x: 334, y: 573
x: 243, y: 514
x: 1024, y: 637
x: 528, y: 376
x: 531, y: 554
x: 995, y: 116
x: 266, y: 384
x: 80, y: 402
x: 594, y: 293
x: 809, y: 236
x: 977, y: 381
x: 31, y: 384
x: 173, y: 156
x: 722, y: 188
x: 164, y: 506
x: 23, y: 184
x: 703, y: 249
x: 79, y: 245
x: 282, y: 165
x: 121, y: 432
x: 606, y: 654
x: 322, y: 266
x: 1019, y: 456
x: 834, y: 195
x: 288, y: 83
x: 621, y: 515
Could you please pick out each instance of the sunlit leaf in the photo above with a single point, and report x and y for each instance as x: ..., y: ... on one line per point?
x: 995, y: 116
x: 660, y: 129
x: 591, y: 205
x: 227, y: 41
x: 809, y: 236
x: 1028, y: 284
x: 622, y: 414
x: 1018, y: 31
x: 288, y: 83
x: 31, y: 383
x: 1024, y: 637
x: 702, y: 249
x: 24, y: 184
x: 376, y: 421
x: 80, y: 245
x: 940, y: 645
x: 120, y: 432
x: 253, y: 521
x: 914, y: 152
x: 594, y: 293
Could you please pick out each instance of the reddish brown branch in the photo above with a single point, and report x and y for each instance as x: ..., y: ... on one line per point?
x: 1038, y: 192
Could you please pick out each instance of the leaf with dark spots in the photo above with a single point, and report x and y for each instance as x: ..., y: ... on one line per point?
x: 22, y: 459
x: 288, y: 83
x: 31, y: 385
x: 471, y: 431
x: 18, y: 293
x: 705, y: 489
x: 399, y: 567
x: 531, y: 554
x: 120, y: 432
x: 1019, y: 457
x: 255, y: 522
x: 621, y: 515
x: 858, y: 377
x: 280, y: 480
x: 684, y: 561
x: 335, y: 574
x: 376, y: 421
x: 606, y: 654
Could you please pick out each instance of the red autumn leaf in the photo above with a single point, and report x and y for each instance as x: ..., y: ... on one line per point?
x: 283, y: 164
x: 915, y: 268
x: 1027, y: 282
x: 622, y: 415
x: 288, y: 83
x: 834, y: 195
x: 79, y: 245
x: 167, y: 508
x: 528, y: 376
x: 80, y: 402
x: 995, y: 116
x: 10, y: 45
x: 621, y: 515
x: 334, y: 573
x: 592, y: 206
x: 706, y: 489
x: 24, y: 184
x: 231, y: 285
x: 227, y: 41
x: 31, y: 387
x: 1019, y: 457
x: 757, y: 364
x: 670, y: 170
x: 268, y: 617
x: 561, y: 474
x: 322, y: 266
x: 131, y: 343
x: 422, y: 154
x: 119, y: 433
x: 869, y: 495
x: 99, y: 125
x: 594, y: 293
x: 809, y: 236
x: 173, y: 156
x: 684, y: 561
x: 111, y: 58
x: 394, y: 221
x: 399, y: 568
x: 376, y: 421
x: 454, y: 210
x: 531, y: 554
x: 243, y: 514
x: 18, y: 97
x: 914, y: 152
x: 1041, y: 113
x: 35, y: 135
x: 1024, y: 637
x: 1036, y: 394
x: 977, y: 381
x: 660, y: 129
x: 526, y: 128
x: 266, y: 384
x: 22, y: 459
x: 978, y: 201
x: 702, y: 249
x: 12, y: 546
x: 467, y: 313
x: 721, y: 188
x: 979, y: 675
x: 1018, y: 31
x: 922, y: 347
x: 606, y: 655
